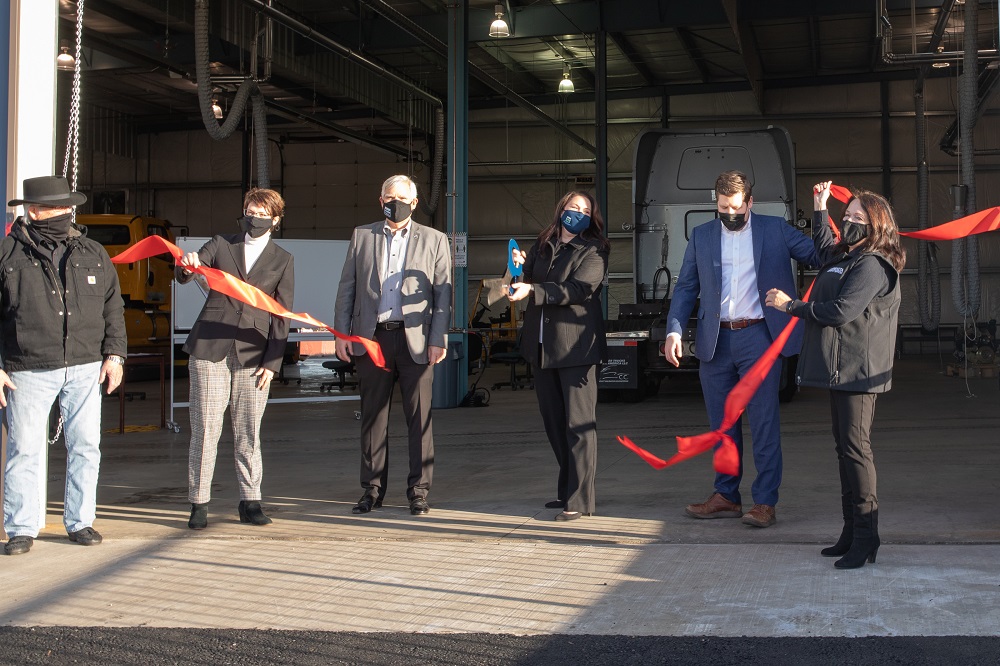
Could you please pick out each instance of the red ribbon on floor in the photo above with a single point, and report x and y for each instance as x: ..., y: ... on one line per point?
x: 225, y: 283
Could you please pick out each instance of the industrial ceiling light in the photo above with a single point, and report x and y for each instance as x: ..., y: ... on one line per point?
x: 65, y: 60
x: 566, y: 85
x: 499, y: 27
x: 940, y: 64
x: 216, y: 109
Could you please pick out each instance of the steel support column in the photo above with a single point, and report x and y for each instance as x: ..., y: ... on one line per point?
x: 601, y: 131
x: 458, y: 165
x: 886, y: 145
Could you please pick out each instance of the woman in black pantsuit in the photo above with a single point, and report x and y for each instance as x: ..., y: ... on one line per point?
x: 563, y: 339
x: 848, y: 348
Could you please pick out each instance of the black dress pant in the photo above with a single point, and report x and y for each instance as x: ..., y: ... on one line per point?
x: 567, y: 399
x: 853, y: 414
x: 375, y: 386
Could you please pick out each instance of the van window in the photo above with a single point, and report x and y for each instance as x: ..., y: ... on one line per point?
x: 156, y: 230
x: 694, y: 218
x: 109, y: 234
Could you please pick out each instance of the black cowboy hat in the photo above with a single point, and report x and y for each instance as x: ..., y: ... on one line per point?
x: 50, y: 191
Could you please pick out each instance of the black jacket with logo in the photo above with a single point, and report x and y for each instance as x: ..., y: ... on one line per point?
x: 566, y: 305
x: 45, y: 324
x: 850, y: 320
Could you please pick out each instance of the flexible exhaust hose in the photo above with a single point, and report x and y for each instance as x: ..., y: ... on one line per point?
x: 965, y: 287
x: 247, y: 90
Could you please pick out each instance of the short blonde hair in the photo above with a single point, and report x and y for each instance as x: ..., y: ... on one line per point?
x: 394, y: 181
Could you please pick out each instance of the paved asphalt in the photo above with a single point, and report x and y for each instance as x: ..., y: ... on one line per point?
x: 94, y: 645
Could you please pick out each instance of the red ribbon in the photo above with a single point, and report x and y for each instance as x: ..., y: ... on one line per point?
x: 970, y: 225
x: 225, y: 283
x: 726, y: 459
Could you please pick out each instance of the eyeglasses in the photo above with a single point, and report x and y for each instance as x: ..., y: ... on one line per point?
x: 250, y: 213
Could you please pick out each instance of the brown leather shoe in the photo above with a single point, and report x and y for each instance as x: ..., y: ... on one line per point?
x: 761, y: 515
x: 715, y: 506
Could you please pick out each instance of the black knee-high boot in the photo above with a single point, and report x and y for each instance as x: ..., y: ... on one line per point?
x: 866, y: 542
x: 847, y: 534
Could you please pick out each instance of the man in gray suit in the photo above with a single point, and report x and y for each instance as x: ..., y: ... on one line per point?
x: 396, y: 289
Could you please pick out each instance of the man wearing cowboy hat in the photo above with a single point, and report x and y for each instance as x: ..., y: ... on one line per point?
x: 62, y: 334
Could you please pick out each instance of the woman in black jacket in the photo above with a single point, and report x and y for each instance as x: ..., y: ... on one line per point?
x: 848, y: 348
x: 235, y: 350
x: 563, y: 339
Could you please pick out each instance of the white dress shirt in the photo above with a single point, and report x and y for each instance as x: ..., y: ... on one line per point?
x: 740, y: 299
x: 391, y: 302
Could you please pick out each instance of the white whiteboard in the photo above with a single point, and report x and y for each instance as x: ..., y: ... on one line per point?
x: 318, y: 264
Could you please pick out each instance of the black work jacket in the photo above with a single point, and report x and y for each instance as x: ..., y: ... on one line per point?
x: 850, y: 321
x: 566, y: 309
x: 46, y: 324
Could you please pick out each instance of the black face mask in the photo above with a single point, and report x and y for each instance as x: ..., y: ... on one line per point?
x: 733, y: 221
x: 54, y: 228
x: 256, y: 226
x: 396, y: 210
x: 852, y: 233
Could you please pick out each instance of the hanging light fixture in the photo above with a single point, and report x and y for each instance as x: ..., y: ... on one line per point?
x: 216, y: 109
x: 566, y: 85
x: 65, y: 60
x: 499, y: 27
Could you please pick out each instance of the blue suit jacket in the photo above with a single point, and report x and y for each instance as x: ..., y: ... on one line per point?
x: 775, y: 244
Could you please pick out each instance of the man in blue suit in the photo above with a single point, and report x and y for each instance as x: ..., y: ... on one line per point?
x: 731, y: 263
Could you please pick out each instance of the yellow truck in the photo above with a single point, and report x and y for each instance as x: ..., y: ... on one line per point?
x: 145, y: 284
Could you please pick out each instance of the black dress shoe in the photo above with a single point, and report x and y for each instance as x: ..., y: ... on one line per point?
x: 366, y: 504
x: 250, y: 512
x: 418, y: 506
x: 18, y: 545
x: 88, y: 536
x: 556, y: 504
x: 199, y: 516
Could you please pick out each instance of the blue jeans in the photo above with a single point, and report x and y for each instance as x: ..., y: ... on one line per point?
x: 25, y: 477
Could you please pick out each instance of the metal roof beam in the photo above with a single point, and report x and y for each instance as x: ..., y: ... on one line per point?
x: 622, y: 44
x: 748, y: 49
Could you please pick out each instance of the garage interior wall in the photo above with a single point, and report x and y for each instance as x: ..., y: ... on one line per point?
x: 332, y: 186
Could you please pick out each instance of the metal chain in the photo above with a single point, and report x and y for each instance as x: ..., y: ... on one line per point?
x: 73, y: 134
x: 59, y: 429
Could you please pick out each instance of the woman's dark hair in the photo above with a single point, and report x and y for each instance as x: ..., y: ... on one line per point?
x: 595, y: 232
x: 883, y: 236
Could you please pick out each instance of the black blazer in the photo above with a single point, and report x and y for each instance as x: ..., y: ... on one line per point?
x: 566, y: 304
x: 259, y: 338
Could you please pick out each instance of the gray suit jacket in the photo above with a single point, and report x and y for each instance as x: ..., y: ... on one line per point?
x: 426, y: 290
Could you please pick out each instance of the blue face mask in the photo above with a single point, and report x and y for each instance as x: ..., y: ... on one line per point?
x: 575, y: 221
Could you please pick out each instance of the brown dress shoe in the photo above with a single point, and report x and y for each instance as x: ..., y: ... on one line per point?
x: 715, y: 506
x: 761, y: 515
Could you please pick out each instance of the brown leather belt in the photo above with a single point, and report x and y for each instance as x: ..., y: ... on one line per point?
x: 388, y: 325
x: 739, y: 324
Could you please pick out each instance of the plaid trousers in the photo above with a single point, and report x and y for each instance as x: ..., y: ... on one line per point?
x: 215, y: 386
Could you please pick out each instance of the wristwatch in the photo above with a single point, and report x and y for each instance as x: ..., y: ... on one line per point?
x: 114, y: 358
x: 788, y: 307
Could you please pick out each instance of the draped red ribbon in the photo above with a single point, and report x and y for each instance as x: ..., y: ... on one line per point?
x: 225, y: 283
x: 726, y: 459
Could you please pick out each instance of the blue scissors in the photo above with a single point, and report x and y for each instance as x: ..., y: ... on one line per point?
x: 515, y: 270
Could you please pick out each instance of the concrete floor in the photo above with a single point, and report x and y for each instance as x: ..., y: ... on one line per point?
x: 489, y: 558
